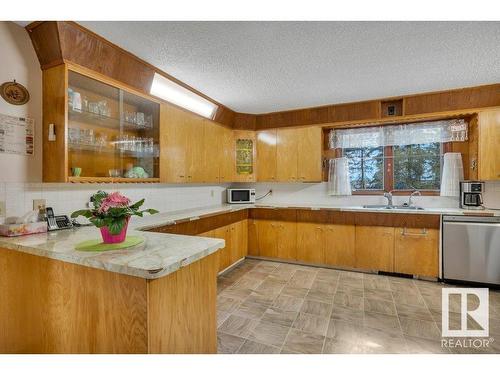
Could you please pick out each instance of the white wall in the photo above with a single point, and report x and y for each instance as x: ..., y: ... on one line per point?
x: 18, y: 61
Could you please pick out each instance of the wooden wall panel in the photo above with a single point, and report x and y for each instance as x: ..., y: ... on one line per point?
x: 56, y: 42
x: 473, y: 97
x: 411, y: 105
x: 46, y: 43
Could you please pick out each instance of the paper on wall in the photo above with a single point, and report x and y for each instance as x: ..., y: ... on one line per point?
x: 16, y: 135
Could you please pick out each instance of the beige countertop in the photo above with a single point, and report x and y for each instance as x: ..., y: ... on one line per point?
x: 160, y: 253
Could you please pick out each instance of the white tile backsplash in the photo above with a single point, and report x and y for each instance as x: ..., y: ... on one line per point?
x: 316, y: 194
x: 66, y: 198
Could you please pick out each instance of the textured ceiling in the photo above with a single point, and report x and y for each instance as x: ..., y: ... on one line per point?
x: 259, y: 67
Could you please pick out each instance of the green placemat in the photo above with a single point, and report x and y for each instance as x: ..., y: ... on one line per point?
x: 98, y: 245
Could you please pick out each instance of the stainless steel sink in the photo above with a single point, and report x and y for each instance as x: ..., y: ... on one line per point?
x: 378, y: 206
x: 386, y: 207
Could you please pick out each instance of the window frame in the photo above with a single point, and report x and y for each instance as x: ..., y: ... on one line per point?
x: 389, y: 174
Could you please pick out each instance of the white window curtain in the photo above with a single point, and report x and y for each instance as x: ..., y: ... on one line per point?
x: 453, y: 173
x: 339, y: 182
x: 404, y: 134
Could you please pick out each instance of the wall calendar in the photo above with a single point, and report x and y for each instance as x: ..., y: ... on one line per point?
x: 16, y: 135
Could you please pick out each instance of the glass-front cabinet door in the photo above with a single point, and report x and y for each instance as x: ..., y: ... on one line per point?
x: 113, y: 135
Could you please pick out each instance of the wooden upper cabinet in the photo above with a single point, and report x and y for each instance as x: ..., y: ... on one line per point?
x: 173, y: 141
x: 227, y: 163
x: 212, y: 151
x: 266, y: 155
x: 374, y: 248
x: 489, y: 145
x: 309, y: 154
x: 289, y: 154
x: 416, y: 251
x: 287, y: 158
x: 193, y: 149
x: 195, y: 155
x: 104, y: 131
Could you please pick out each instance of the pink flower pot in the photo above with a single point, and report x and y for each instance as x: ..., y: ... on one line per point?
x: 107, y: 237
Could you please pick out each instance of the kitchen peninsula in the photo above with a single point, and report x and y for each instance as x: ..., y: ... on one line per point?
x: 158, y: 297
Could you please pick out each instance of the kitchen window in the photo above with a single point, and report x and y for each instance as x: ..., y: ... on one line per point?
x: 366, y: 167
x: 397, y: 157
x: 417, y: 166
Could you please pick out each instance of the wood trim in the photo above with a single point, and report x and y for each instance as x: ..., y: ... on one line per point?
x: 107, y: 180
x: 55, y: 111
x: 204, y: 224
x: 287, y: 214
x: 391, y: 219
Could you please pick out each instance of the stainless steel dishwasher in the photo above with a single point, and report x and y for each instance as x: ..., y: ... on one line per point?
x: 471, y: 249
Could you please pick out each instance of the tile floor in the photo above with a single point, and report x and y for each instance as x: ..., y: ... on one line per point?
x: 272, y: 307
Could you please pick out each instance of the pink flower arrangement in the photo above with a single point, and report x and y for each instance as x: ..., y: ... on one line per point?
x: 113, y: 200
x: 112, y: 211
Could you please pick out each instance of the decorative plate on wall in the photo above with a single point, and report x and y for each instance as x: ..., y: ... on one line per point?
x: 14, y: 93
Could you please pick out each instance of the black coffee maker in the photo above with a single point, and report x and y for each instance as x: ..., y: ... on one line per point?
x: 471, y: 195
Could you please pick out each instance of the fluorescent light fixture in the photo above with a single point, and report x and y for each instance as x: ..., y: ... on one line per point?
x: 174, y: 93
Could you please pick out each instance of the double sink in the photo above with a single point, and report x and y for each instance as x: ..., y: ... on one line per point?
x: 391, y: 207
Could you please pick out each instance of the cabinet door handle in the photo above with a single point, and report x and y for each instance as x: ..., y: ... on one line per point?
x: 423, y: 233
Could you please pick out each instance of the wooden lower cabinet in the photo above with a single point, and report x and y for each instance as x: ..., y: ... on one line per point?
x: 273, y: 239
x: 253, y: 241
x: 339, y: 242
x: 239, y: 240
x: 310, y: 243
x: 236, y: 237
x: 413, y: 251
x: 374, y: 248
x: 51, y: 306
x: 267, y: 238
x: 287, y: 240
x: 416, y: 251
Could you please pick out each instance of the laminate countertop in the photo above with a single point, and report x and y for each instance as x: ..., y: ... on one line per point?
x: 161, y: 254
x: 169, y: 218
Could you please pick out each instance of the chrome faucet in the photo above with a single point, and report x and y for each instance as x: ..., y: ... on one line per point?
x: 416, y: 192
x: 388, y: 195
